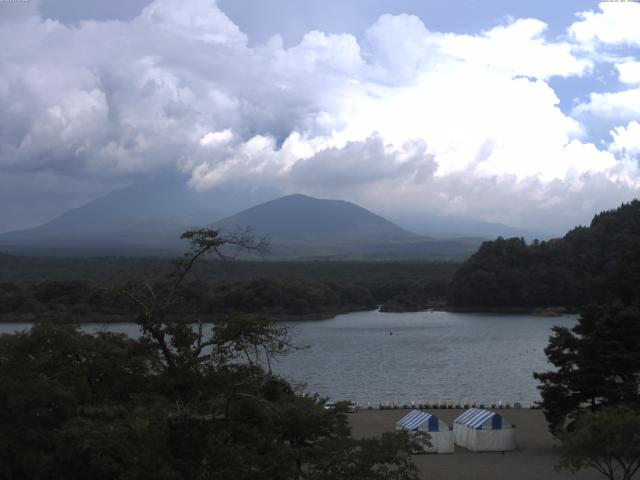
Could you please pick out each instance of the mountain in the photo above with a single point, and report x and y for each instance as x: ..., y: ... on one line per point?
x: 142, y: 219
x: 299, y: 226
x: 147, y: 220
x: 588, y: 265
x: 455, y: 227
x: 301, y: 218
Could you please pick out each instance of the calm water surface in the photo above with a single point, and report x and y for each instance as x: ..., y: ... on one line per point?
x: 430, y: 356
x: 374, y: 356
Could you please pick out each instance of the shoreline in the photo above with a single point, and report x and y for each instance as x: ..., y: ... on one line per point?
x: 8, y: 318
x: 30, y: 318
x: 534, y: 311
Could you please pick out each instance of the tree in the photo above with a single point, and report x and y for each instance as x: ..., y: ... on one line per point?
x: 386, y: 458
x: 164, y: 316
x: 177, y: 403
x: 597, y: 363
x: 607, y: 440
x: 72, y: 402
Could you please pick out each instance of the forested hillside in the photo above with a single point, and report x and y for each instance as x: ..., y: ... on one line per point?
x: 588, y: 265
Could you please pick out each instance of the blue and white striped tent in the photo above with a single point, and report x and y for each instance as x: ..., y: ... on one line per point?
x: 484, y: 431
x: 440, y: 432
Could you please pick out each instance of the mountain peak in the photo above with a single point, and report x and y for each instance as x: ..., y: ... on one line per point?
x: 301, y: 217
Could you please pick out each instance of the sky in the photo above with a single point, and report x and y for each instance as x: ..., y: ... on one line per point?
x: 525, y: 113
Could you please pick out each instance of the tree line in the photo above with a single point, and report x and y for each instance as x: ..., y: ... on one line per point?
x: 280, y: 289
x: 591, y: 264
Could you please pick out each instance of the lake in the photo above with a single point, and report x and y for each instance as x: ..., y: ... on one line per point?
x: 374, y: 356
x: 424, y: 356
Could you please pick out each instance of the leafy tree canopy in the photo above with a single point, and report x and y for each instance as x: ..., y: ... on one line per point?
x: 607, y: 441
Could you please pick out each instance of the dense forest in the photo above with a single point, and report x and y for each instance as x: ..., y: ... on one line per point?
x: 89, y: 289
x: 588, y: 265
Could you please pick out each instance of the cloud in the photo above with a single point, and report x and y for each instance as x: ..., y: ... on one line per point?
x: 403, y: 46
x: 258, y: 160
x: 363, y: 163
x: 610, y: 36
x: 626, y: 139
x: 65, y: 131
x: 201, y: 21
x: 614, y: 105
x: 629, y: 72
x: 528, y: 203
x: 432, y: 121
x: 518, y: 49
x: 615, y: 24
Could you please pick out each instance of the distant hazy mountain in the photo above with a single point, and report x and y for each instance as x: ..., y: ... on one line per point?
x: 452, y: 227
x: 148, y: 219
x: 301, y: 218
x: 141, y: 219
x: 304, y: 227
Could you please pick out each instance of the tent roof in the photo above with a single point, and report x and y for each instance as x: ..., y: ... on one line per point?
x: 476, y: 418
x: 416, y: 418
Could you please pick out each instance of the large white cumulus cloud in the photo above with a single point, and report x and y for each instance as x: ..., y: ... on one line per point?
x: 404, y: 118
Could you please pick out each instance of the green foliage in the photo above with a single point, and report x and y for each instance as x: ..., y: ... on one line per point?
x: 61, y: 390
x: 606, y: 440
x: 588, y: 265
x: 178, y: 403
x: 597, y: 363
x: 85, y: 289
x: 292, y: 297
x: 386, y: 458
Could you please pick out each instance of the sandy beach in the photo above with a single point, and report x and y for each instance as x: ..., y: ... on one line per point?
x: 533, y: 460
